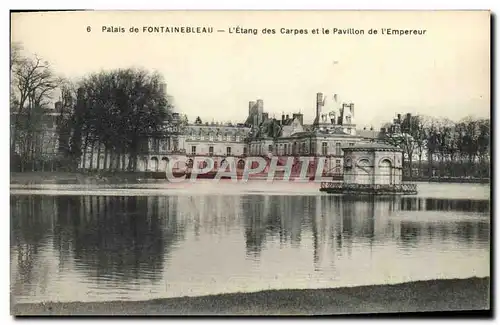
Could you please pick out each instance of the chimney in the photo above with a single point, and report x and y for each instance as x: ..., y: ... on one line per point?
x: 399, y: 118
x: 260, y: 106
x: 283, y: 119
x: 352, y: 109
x: 260, y: 110
x: 287, y: 117
x: 265, y: 116
x: 319, y: 105
x: 364, y: 129
x: 341, y: 116
x: 382, y: 130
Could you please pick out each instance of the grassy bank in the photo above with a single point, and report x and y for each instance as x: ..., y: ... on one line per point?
x: 30, y: 178
x: 436, y: 295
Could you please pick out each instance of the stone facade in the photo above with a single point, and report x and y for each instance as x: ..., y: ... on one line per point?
x: 333, y: 130
x: 373, y: 164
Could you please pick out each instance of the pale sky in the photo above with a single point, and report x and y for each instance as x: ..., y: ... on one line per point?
x: 445, y: 72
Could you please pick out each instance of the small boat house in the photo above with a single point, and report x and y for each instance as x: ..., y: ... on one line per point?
x: 371, y: 168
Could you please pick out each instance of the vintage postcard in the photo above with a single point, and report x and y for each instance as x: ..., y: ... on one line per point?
x: 249, y: 162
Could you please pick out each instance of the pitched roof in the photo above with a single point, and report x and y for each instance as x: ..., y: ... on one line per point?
x: 370, y: 134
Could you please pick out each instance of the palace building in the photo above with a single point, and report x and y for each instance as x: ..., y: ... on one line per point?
x: 332, y: 129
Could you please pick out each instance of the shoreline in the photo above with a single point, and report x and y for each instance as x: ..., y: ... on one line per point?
x: 420, y: 296
x: 109, y: 178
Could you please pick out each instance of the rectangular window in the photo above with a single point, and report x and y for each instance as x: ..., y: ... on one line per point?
x: 228, y: 151
x: 338, y: 169
x: 270, y: 148
x: 324, y: 148
x: 210, y: 150
x: 156, y: 145
x: 245, y: 150
x: 193, y: 150
x: 338, y: 149
x: 286, y: 149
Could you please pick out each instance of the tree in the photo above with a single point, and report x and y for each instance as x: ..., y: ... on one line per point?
x: 120, y: 110
x: 404, y: 138
x: 32, y: 86
x: 421, y: 136
x: 483, y: 141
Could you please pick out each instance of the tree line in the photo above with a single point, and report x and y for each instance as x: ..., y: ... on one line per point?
x: 111, y: 113
x: 439, y: 147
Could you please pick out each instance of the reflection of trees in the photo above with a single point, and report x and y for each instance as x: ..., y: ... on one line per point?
x: 67, y: 218
x: 123, y: 237
x: 428, y: 204
x: 467, y: 232
x: 410, y: 233
x: 30, y: 227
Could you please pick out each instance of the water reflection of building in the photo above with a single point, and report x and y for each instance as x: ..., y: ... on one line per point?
x: 274, y: 218
x: 128, y: 238
x: 210, y: 214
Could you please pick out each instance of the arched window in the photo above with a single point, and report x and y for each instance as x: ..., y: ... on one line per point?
x: 154, y: 164
x: 385, y: 172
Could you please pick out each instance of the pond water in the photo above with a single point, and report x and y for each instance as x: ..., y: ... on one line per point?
x: 74, y: 243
